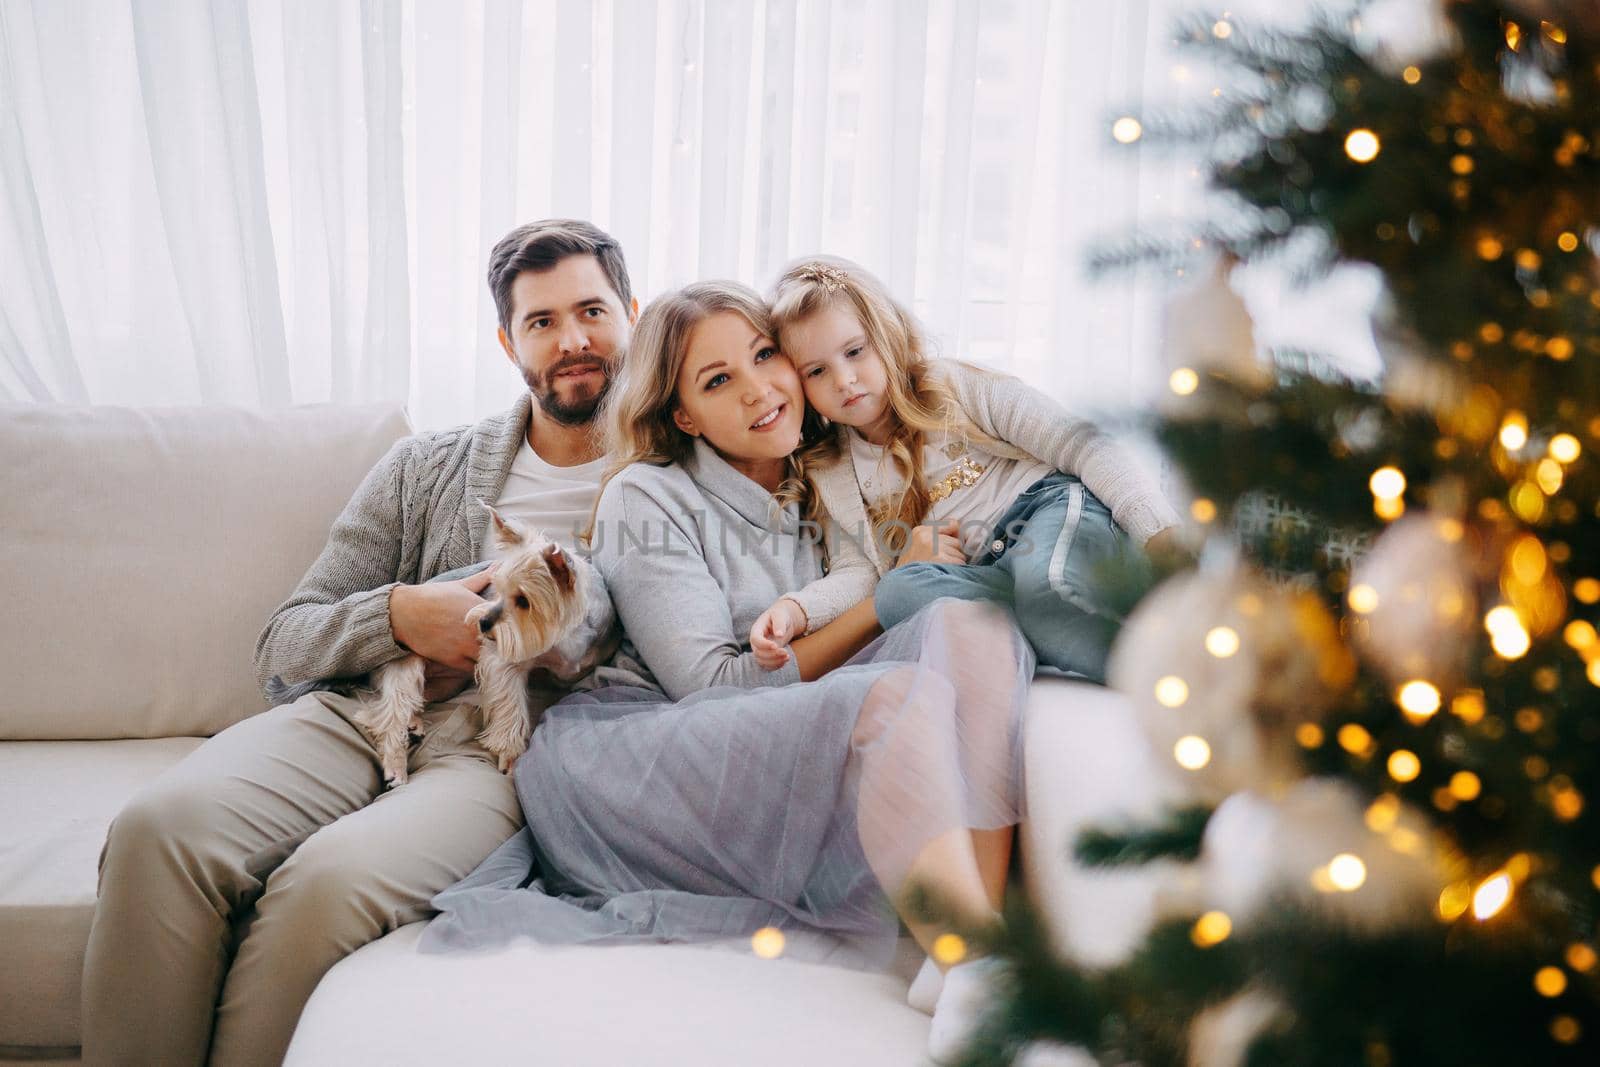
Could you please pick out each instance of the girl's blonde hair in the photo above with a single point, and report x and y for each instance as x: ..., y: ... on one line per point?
x: 920, y: 401
x: 636, y: 418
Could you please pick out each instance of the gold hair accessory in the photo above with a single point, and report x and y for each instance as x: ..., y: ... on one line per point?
x: 831, y: 279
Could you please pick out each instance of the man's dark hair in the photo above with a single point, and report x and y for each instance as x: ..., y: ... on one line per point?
x: 538, y: 246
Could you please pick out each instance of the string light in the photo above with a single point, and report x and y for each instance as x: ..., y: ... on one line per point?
x: 1580, y: 634
x: 1549, y: 476
x: 1507, y: 635
x: 1172, y: 691
x: 1567, y: 242
x: 1564, y: 448
x: 1362, y: 145
x: 1587, y: 590
x: 1222, y: 642
x: 1550, y: 981
x: 1127, y: 129
x: 1347, y: 872
x: 1382, y: 813
x: 1183, y: 381
x: 1387, y: 482
x: 1192, y: 753
x: 1513, y: 431
x: 1565, y: 1029
x: 1354, y: 739
x: 1454, y: 901
x: 949, y: 949
x: 1404, y: 765
x: 1464, y: 785
x: 1418, y: 699
x: 1363, y: 599
x: 1411, y: 75
x: 1203, y: 510
x: 1309, y: 735
x: 1388, y: 486
x: 1210, y: 929
x: 1221, y: 29
x: 1468, y: 707
x: 1491, y: 898
x: 767, y: 942
x: 1581, y: 957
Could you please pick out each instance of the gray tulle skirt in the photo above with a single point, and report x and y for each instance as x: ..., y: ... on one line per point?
x: 798, y: 807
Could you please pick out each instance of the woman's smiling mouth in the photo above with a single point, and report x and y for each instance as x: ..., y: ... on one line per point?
x: 769, y: 419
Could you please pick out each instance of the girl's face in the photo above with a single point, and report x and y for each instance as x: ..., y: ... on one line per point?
x: 843, y: 374
x: 739, y: 392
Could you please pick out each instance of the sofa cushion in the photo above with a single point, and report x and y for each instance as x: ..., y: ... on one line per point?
x: 59, y: 798
x: 141, y: 552
x: 602, y: 1005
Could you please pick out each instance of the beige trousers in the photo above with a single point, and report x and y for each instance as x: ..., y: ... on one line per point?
x: 231, y: 884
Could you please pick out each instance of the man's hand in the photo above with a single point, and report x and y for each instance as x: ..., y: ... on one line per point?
x: 771, y: 634
x: 431, y: 619
x: 929, y: 545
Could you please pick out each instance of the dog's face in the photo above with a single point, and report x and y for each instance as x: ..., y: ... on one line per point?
x: 536, y: 597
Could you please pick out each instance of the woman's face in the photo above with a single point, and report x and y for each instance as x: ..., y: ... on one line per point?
x: 739, y: 392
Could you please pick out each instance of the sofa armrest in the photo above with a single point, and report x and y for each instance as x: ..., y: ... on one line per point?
x: 1087, y: 765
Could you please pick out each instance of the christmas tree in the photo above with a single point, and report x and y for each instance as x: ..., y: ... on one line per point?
x: 1384, y: 675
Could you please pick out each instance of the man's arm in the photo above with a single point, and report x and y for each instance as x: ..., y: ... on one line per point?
x: 336, y: 623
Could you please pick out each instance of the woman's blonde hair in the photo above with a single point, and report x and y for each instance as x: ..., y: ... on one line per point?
x: 920, y: 401
x: 636, y: 420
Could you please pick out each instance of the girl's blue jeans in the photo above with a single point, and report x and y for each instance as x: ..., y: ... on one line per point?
x: 1042, y: 563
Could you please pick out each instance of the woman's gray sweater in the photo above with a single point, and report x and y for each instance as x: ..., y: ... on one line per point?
x: 692, y: 553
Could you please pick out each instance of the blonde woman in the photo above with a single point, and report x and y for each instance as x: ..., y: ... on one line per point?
x: 710, y: 797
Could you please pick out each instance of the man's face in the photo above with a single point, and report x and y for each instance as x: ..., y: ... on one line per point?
x: 567, y: 327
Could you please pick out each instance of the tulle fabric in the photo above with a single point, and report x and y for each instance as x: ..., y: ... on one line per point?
x: 801, y: 807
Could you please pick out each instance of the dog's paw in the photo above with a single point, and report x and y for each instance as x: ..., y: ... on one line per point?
x: 394, y: 771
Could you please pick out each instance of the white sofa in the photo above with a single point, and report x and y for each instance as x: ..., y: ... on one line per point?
x: 140, y: 552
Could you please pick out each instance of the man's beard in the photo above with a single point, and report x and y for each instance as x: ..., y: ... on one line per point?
x: 579, y: 410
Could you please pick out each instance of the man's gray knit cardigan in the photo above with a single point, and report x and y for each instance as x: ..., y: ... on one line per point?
x: 415, y: 516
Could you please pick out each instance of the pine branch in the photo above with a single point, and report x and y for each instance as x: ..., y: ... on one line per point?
x: 1177, y: 837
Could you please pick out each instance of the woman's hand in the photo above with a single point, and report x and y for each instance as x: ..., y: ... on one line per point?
x: 930, y: 545
x: 772, y: 632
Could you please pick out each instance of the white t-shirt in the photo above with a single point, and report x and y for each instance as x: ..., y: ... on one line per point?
x: 543, y: 497
x: 967, y: 484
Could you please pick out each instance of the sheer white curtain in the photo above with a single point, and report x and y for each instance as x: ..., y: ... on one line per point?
x: 291, y: 201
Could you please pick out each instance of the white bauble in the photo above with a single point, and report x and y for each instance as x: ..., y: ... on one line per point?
x: 1231, y: 659
x: 1206, y: 328
x: 1256, y: 851
x: 1419, y: 574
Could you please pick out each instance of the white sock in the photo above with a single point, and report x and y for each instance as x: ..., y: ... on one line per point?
x: 925, y: 987
x: 968, y: 988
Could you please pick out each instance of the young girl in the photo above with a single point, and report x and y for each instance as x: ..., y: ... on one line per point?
x: 997, y: 474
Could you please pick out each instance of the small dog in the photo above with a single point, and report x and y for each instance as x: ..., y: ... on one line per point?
x: 544, y: 615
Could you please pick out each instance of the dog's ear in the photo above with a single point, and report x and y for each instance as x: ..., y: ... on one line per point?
x: 507, y: 534
x: 560, y: 569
